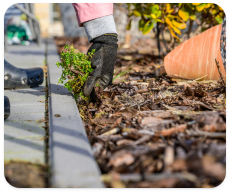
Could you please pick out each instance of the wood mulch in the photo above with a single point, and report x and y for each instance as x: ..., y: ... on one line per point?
x: 152, y: 130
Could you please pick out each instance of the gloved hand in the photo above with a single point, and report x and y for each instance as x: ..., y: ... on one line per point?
x: 102, y: 62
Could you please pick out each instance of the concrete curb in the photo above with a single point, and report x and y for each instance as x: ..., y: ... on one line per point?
x: 70, y: 155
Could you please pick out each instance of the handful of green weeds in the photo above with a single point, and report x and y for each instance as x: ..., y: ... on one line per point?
x: 76, y: 68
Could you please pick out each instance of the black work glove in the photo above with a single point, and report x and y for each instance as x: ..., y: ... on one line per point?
x: 102, y: 62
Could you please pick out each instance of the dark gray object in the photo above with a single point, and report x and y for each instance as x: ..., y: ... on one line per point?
x: 6, y: 107
x: 21, y: 78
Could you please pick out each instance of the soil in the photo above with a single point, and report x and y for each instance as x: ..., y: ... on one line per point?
x: 149, y: 129
x: 25, y: 175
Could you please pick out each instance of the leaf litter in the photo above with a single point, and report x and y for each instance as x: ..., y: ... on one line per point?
x: 149, y: 129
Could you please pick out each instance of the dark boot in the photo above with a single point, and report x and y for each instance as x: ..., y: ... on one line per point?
x: 21, y: 78
x: 6, y: 107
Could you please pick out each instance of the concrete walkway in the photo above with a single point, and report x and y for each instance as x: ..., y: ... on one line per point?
x: 70, y: 156
x: 23, y: 130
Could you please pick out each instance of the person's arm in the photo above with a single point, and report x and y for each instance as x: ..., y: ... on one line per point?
x: 98, y: 21
x: 97, y: 18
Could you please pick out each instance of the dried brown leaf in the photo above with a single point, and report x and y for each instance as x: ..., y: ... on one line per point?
x: 125, y: 159
x: 169, y: 132
x: 146, y: 121
x: 124, y: 142
x: 213, y: 168
x: 104, y: 121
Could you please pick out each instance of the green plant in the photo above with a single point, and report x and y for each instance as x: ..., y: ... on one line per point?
x: 76, y: 68
x: 122, y: 73
x: 174, y: 16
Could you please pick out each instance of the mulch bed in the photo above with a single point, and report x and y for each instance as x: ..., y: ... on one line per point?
x: 153, y: 130
x: 26, y: 175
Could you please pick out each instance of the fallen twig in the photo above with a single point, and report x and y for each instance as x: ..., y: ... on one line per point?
x: 198, y: 79
x: 141, y: 104
x: 96, y: 124
x: 174, y: 110
x: 175, y: 76
x: 221, y: 75
x: 143, y: 139
x: 209, y: 134
x: 146, y: 90
x: 149, y: 177
x: 193, y: 102
x: 201, y: 104
x: 76, y: 72
x: 111, y: 132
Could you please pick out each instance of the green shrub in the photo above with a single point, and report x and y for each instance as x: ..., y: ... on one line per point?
x: 76, y: 68
x: 174, y: 16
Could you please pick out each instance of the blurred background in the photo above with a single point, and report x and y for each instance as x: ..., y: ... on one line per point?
x: 56, y: 19
x: 167, y: 24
